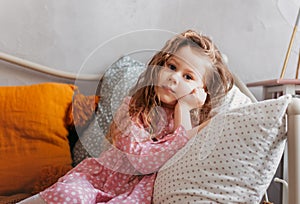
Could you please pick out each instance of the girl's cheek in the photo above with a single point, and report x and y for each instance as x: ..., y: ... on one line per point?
x: 163, y: 75
x: 184, y: 92
x: 203, y: 95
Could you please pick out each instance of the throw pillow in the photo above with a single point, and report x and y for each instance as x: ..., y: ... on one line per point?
x: 34, y: 148
x: 115, y: 85
x: 232, y: 160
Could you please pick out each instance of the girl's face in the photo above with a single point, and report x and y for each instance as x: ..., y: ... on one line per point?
x: 181, y: 74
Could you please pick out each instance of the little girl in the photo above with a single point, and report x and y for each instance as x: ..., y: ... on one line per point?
x: 171, y: 101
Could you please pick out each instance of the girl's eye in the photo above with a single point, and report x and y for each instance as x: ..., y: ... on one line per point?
x: 188, y: 77
x: 172, y: 67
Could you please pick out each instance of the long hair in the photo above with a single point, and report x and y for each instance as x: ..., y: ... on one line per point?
x: 218, y: 80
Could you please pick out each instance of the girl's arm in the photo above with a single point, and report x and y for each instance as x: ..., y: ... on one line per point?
x: 182, y: 117
x: 183, y: 107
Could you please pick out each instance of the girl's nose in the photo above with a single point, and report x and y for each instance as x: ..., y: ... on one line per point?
x: 174, y: 78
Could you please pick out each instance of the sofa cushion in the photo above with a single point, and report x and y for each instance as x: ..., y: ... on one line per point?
x: 34, y: 146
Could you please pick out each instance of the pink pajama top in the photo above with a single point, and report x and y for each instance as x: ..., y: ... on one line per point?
x: 124, y: 173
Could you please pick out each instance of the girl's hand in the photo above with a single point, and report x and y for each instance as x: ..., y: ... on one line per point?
x: 185, y: 104
x: 195, y: 99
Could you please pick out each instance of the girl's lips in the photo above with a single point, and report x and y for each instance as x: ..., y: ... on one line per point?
x: 168, y: 89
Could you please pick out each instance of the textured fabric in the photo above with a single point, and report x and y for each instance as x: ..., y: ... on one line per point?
x: 232, y: 160
x: 89, y: 143
x: 34, y: 148
x: 119, y: 173
x: 115, y: 85
x: 81, y: 111
x: 233, y: 99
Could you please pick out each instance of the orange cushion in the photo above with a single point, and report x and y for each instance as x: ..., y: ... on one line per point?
x: 34, y: 148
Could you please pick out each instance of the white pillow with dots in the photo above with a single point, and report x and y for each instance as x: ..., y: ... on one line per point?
x: 232, y: 160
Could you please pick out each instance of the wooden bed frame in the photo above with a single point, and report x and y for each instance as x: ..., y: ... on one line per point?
x: 293, y: 120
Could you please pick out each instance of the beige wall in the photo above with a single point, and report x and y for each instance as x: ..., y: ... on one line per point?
x: 64, y: 34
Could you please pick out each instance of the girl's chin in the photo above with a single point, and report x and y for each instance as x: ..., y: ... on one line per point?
x: 169, y: 105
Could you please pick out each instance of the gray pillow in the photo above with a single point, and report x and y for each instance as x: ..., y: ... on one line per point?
x: 114, y: 86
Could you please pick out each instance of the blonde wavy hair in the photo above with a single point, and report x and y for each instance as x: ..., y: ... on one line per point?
x: 218, y: 80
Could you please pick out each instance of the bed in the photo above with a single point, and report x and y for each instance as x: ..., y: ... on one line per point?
x: 70, y: 151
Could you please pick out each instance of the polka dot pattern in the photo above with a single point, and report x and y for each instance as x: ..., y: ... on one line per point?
x: 236, y: 166
x: 90, y: 182
x: 114, y: 86
x: 125, y: 172
x: 89, y: 143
